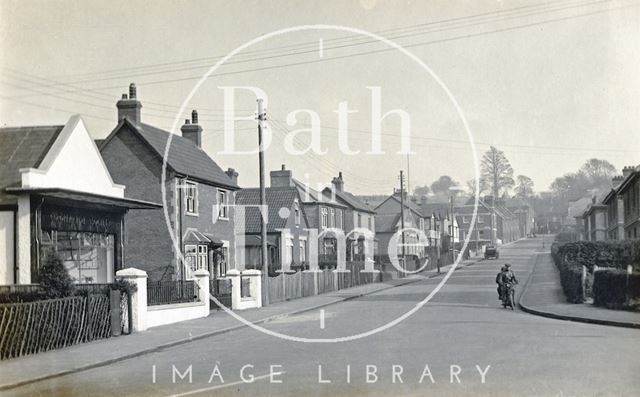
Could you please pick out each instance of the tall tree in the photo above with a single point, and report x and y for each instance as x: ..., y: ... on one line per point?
x: 524, y: 187
x: 442, y: 185
x: 497, y: 171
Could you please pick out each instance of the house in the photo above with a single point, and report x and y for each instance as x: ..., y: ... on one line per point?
x: 482, y: 230
x: 323, y: 214
x: 57, y: 194
x: 357, y: 215
x: 629, y: 190
x: 615, y: 211
x: 287, y: 225
x: 497, y: 221
x: 389, y: 223
x: 444, y: 229
x: 197, y: 219
x: 595, y: 220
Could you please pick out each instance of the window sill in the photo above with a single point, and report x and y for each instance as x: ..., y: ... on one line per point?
x: 191, y: 214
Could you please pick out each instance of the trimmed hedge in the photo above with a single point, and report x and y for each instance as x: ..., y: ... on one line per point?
x: 615, y: 289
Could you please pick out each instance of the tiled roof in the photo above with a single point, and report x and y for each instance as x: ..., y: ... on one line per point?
x: 277, y: 198
x: 22, y: 147
x: 386, y: 222
x: 351, y: 201
x: 184, y: 156
x: 407, y: 204
x: 310, y: 195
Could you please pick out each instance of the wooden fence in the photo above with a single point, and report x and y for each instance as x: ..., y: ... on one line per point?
x: 288, y: 286
x: 34, y: 327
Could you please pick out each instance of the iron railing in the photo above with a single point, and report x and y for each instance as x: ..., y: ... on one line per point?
x: 168, y: 292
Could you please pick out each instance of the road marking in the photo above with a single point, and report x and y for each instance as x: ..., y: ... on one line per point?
x: 321, y: 318
x: 222, y: 386
x: 321, y: 48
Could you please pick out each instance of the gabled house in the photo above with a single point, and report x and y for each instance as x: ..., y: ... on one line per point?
x: 523, y: 210
x: 389, y: 221
x: 595, y: 220
x: 357, y: 215
x: 322, y: 213
x: 287, y: 237
x: 197, y: 204
x: 57, y: 194
x: 629, y: 190
x: 482, y: 230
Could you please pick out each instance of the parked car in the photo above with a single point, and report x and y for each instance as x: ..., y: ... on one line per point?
x: 491, y: 252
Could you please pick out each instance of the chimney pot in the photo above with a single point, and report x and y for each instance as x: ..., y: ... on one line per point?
x: 187, y: 121
x: 282, y: 167
x: 129, y: 107
x: 281, y: 178
x: 194, y: 116
x: 124, y: 96
x: 132, y: 91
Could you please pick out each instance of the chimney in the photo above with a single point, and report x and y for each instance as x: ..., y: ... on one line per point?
x: 338, y: 183
x: 617, y: 181
x: 281, y: 178
x: 233, y: 175
x: 626, y: 171
x: 192, y: 130
x: 129, y: 107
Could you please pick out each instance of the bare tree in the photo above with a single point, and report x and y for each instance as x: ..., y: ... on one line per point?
x: 497, y: 171
x: 524, y: 187
x: 483, y: 186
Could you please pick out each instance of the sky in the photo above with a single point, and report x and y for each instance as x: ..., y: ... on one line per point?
x: 550, y: 83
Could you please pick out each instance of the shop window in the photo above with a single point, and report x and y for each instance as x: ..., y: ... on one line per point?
x: 191, y: 198
x: 88, y: 257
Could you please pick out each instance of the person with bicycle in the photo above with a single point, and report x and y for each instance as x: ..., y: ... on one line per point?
x: 506, y: 278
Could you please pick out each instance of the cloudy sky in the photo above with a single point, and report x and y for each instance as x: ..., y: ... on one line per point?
x: 550, y: 83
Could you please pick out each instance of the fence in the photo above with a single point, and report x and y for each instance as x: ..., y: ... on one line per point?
x: 296, y: 285
x: 168, y: 292
x: 34, y: 327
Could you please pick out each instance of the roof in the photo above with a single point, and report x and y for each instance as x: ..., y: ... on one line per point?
x: 85, y: 197
x: 350, y: 200
x: 277, y: 198
x: 310, y: 195
x: 628, y: 181
x: 408, y: 204
x: 436, y: 208
x: 22, y: 147
x: 184, y: 156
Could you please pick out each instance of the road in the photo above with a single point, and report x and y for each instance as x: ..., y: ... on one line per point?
x: 461, y: 343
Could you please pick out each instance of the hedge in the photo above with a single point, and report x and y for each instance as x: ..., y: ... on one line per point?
x: 615, y: 289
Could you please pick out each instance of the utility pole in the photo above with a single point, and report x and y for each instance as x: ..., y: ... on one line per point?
x: 453, y: 232
x: 402, y: 211
x: 262, y: 117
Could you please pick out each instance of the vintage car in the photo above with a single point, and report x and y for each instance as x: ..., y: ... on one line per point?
x: 491, y: 252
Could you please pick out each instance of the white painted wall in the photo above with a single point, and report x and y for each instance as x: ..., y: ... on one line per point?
x: 175, y: 313
x: 6, y: 247
x: 24, y: 240
x: 73, y: 162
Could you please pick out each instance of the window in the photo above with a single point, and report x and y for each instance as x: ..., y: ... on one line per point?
x: 222, y: 260
x: 223, y: 205
x: 339, y: 224
x: 369, y: 223
x: 421, y: 223
x: 196, y: 257
x: 191, y: 198
x: 359, y: 220
x: 303, y: 251
x: 296, y: 211
x: 332, y: 218
x: 324, y: 217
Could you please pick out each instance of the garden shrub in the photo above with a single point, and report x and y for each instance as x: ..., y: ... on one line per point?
x: 609, y: 287
x: 54, y: 278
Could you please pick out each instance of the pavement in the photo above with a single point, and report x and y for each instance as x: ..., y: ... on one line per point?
x: 543, y: 296
x: 29, y: 369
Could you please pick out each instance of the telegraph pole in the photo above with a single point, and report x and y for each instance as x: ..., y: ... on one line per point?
x: 262, y: 117
x: 402, y: 211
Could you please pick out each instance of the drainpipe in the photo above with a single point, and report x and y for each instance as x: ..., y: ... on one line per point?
x: 179, y: 237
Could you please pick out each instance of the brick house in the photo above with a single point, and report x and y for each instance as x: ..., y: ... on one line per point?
x: 285, y: 212
x: 198, y: 202
x: 595, y: 221
x: 357, y: 215
x: 57, y: 194
x: 506, y: 227
x: 388, y: 222
x: 629, y: 190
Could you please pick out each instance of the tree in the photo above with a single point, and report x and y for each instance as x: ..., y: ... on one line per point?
x: 471, y: 187
x: 497, y: 171
x: 524, y: 187
x: 421, y: 190
x: 54, y: 278
x: 594, y: 174
x: 443, y: 184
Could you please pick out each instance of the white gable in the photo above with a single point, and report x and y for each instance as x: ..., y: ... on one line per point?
x: 73, y: 162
